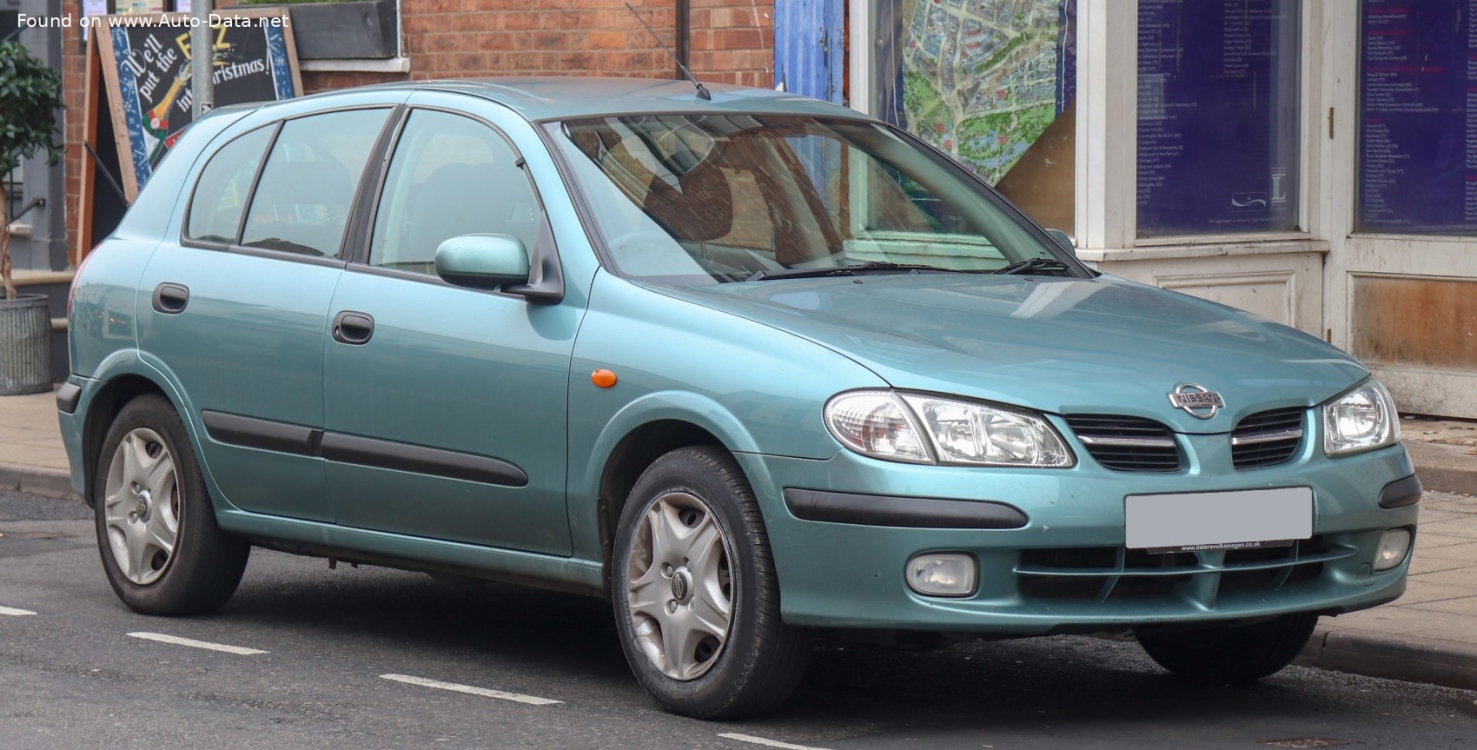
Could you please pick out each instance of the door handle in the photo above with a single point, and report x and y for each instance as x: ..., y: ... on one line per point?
x: 171, y: 299
x: 354, y: 328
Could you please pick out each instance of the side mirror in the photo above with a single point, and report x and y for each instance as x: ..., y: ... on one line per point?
x: 1064, y: 241
x: 482, y: 261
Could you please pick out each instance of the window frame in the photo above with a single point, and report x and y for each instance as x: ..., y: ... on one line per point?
x: 543, y: 255
x: 351, y: 222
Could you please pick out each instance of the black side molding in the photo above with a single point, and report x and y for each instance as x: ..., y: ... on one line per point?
x: 385, y: 454
x: 905, y: 512
x: 1401, y: 492
x: 264, y: 434
x: 261, y: 433
x: 67, y: 397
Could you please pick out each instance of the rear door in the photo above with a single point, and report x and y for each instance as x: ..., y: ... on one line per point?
x: 236, y: 310
x: 446, y: 407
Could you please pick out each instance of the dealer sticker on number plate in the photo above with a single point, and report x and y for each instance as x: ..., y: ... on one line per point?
x: 1186, y: 522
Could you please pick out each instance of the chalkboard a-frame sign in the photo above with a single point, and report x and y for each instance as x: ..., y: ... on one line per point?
x: 146, y: 71
x: 138, y: 96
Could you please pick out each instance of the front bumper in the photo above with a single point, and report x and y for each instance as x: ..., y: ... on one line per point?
x: 1066, y: 569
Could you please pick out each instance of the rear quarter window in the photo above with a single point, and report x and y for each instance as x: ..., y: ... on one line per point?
x: 221, y: 192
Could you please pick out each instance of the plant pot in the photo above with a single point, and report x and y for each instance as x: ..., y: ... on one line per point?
x: 25, y: 345
x: 345, y: 31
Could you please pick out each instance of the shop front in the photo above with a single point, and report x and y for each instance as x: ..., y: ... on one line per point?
x: 1311, y: 161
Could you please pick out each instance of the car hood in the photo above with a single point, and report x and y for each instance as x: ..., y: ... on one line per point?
x: 1067, y: 346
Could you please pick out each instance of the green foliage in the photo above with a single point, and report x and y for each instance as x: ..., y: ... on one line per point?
x: 30, y: 96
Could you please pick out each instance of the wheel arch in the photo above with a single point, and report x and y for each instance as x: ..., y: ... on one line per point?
x: 121, y: 380
x: 638, y: 450
x: 637, y: 436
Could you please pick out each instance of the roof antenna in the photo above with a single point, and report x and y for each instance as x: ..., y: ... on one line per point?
x: 702, y: 91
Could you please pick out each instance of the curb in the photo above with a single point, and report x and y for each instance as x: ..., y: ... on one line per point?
x: 1444, y: 468
x: 37, y: 481
x: 1435, y: 662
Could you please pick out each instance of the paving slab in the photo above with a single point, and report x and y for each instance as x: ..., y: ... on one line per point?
x: 1466, y: 605
x: 1464, y: 552
x: 1417, y: 592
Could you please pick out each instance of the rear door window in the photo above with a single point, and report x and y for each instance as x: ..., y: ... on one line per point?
x: 302, y: 201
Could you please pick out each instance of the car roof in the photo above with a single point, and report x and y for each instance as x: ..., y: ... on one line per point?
x: 560, y: 98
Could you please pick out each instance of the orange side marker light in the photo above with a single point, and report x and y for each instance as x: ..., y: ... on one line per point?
x: 603, y: 378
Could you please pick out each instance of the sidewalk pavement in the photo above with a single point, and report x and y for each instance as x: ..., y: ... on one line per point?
x: 1428, y: 635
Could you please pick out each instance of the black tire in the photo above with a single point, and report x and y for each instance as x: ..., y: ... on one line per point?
x: 1230, y: 654
x: 205, y: 564
x: 763, y: 660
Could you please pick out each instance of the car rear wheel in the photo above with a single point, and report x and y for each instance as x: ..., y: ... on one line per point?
x: 1230, y: 653
x: 695, y: 593
x: 161, y: 548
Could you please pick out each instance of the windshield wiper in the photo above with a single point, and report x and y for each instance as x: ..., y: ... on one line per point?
x: 869, y: 267
x: 1030, y: 265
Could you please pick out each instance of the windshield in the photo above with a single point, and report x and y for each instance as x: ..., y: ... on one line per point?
x: 725, y: 198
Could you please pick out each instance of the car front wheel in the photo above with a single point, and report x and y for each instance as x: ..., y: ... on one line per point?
x: 695, y: 592
x: 1230, y: 653
x: 156, y: 529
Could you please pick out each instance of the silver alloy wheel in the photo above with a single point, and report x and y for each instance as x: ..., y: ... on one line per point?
x: 141, y: 506
x: 679, y: 588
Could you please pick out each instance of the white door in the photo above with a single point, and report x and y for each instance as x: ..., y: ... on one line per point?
x: 1400, y: 178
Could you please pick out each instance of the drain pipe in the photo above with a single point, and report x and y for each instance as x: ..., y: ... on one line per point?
x: 684, y: 34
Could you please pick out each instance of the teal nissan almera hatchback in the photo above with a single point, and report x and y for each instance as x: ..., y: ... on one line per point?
x: 750, y: 366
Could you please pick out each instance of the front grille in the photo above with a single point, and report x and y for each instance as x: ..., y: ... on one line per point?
x: 1126, y: 443
x: 1105, y: 574
x: 1267, y: 438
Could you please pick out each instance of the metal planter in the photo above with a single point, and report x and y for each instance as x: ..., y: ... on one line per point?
x: 25, y: 345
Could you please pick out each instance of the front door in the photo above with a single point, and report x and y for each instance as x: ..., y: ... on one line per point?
x: 445, y: 406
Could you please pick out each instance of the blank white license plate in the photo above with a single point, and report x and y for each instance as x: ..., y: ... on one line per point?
x: 1218, y: 520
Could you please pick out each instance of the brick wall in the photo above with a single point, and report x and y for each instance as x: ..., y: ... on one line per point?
x: 731, y: 41
x: 471, y: 38
x: 73, y: 88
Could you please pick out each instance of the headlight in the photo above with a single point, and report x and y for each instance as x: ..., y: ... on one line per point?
x: 1360, y: 420
x: 876, y: 424
x: 929, y: 429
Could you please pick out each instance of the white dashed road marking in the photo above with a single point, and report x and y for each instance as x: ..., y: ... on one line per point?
x: 15, y: 612
x: 484, y: 692
x: 752, y: 740
x: 177, y: 641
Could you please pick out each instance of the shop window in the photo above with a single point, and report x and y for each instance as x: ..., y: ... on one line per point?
x: 1218, y: 116
x: 1417, y: 118
x: 992, y: 83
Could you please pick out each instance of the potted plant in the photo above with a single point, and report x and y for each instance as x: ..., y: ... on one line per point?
x: 30, y: 95
x: 340, y: 29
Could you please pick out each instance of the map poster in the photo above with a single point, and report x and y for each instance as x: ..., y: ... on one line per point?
x: 146, y: 64
x: 1418, y: 118
x: 980, y: 79
x: 1217, y: 116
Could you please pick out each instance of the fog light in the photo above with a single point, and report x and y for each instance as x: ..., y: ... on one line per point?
x: 949, y: 574
x: 1393, y: 546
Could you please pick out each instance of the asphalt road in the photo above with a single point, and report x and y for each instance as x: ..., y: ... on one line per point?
x: 71, y: 676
